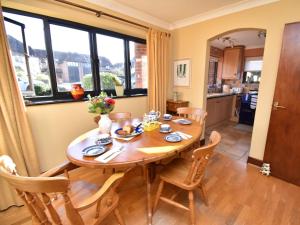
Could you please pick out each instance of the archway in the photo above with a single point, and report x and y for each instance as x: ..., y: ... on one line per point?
x: 233, y: 72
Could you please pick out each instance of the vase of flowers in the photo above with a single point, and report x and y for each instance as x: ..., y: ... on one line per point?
x: 102, y: 105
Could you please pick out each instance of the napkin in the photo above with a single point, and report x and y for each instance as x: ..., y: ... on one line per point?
x: 183, y: 135
x: 122, y: 138
x: 109, y: 155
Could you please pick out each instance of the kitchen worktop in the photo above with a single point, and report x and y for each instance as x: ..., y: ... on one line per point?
x: 218, y: 95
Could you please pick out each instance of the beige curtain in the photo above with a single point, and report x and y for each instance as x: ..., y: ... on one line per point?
x: 158, y: 69
x: 15, y: 134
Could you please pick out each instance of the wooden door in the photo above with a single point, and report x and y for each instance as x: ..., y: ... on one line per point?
x: 283, y: 140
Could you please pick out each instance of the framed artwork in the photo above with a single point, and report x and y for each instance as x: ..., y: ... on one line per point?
x: 182, y: 73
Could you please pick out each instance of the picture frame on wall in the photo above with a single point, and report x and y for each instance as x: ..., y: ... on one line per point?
x: 182, y: 73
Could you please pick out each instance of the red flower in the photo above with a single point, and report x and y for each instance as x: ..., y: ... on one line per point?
x: 109, y: 101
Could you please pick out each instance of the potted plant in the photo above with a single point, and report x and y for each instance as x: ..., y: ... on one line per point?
x: 102, y: 105
x: 118, y: 86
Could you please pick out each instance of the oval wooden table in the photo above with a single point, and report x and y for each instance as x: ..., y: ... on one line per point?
x: 143, y: 150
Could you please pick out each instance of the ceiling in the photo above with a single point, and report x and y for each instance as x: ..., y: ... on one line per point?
x: 248, y: 38
x: 173, y: 10
x: 171, y: 14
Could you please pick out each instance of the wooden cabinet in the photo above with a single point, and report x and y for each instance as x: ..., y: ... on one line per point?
x: 219, y: 110
x: 173, y: 105
x: 233, y: 61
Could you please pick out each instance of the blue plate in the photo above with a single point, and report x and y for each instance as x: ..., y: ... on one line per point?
x: 184, y: 122
x: 93, y: 150
x: 173, y: 138
x: 138, y: 130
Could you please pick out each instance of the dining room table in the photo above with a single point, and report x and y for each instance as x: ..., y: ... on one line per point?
x: 147, y: 149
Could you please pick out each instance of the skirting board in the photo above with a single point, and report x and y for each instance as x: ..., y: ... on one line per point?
x: 255, y: 161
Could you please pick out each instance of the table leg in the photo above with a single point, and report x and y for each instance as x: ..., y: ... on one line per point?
x: 150, y: 175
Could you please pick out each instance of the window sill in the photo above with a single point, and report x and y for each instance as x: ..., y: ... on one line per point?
x: 58, y: 101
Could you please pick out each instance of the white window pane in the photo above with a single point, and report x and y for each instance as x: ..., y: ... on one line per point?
x: 71, y: 51
x: 111, y: 57
x: 253, y: 64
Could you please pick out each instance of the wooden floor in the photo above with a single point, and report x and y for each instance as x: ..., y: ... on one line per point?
x: 236, y: 140
x: 237, y: 193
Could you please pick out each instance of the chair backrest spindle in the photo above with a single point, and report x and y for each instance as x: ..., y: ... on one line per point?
x: 201, y: 157
x: 34, y: 191
x: 30, y: 188
x: 120, y: 115
x: 197, y: 114
x: 53, y: 213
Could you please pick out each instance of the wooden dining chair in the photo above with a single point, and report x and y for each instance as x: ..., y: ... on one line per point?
x: 36, y: 192
x: 115, y: 116
x: 188, y: 175
x: 120, y: 115
x: 197, y: 114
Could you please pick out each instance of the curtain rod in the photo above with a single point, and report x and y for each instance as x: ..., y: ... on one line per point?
x: 101, y: 13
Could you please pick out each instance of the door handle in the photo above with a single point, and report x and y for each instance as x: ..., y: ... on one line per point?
x: 276, y: 106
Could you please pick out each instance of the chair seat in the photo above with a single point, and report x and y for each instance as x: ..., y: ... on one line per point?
x: 176, y: 173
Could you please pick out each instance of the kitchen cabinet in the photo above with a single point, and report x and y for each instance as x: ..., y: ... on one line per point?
x: 233, y: 62
x: 173, y: 105
x: 219, y: 109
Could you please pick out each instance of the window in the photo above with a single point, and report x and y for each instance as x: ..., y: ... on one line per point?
x: 112, y: 60
x: 28, y: 50
x: 50, y: 55
x: 212, y: 71
x: 71, y: 59
x: 138, y: 65
x: 253, y: 66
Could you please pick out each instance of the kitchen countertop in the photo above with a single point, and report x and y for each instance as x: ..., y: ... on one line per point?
x: 218, y: 95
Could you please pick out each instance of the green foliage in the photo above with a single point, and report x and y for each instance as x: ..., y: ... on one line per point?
x: 107, y: 80
x: 42, y: 89
x: 43, y: 77
x: 42, y: 85
x: 87, y: 82
x: 21, y: 74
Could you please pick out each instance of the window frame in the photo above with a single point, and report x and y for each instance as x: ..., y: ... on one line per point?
x: 92, y: 31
